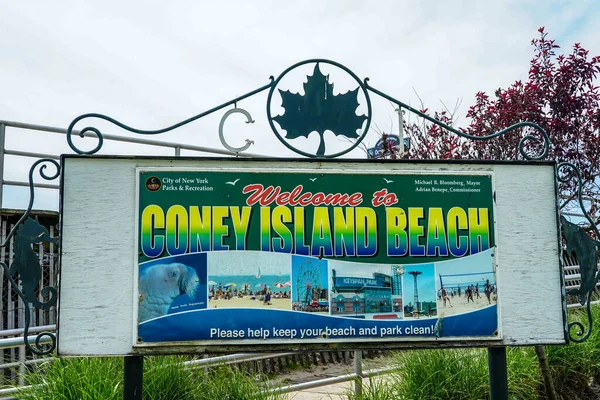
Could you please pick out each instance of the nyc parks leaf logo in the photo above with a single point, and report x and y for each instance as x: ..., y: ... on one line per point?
x: 319, y: 110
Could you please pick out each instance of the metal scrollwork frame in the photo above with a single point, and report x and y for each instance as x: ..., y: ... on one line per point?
x: 584, y: 248
x: 365, y: 87
x: 27, y: 268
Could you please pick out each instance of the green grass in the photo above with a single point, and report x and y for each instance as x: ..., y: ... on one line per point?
x: 378, y: 388
x: 165, y: 378
x: 441, y: 374
x: 453, y: 374
x: 457, y: 374
x: 75, y: 379
x: 575, y: 366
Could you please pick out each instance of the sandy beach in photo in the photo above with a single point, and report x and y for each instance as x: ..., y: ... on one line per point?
x: 247, y: 302
x: 460, y: 305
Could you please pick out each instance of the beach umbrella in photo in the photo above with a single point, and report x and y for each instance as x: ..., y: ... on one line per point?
x: 227, y: 286
x: 259, y: 285
x: 287, y: 284
x: 211, y: 283
x: 279, y: 285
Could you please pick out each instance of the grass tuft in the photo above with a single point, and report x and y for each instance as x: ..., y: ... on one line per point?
x: 226, y: 383
x: 75, y: 379
x: 165, y: 378
x: 575, y: 368
x: 377, y: 388
x: 441, y: 374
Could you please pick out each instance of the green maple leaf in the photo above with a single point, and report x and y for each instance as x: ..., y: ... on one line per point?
x: 319, y: 110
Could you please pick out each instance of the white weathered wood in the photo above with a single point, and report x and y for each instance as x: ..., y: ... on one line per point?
x: 96, y: 282
x: 96, y: 314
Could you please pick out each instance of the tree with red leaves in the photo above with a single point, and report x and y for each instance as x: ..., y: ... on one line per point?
x: 560, y: 95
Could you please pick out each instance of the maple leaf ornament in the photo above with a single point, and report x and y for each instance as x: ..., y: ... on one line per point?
x: 319, y: 110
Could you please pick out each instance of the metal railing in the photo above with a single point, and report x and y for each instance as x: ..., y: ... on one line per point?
x: 176, y: 147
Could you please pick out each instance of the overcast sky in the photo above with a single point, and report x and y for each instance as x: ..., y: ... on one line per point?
x: 152, y: 64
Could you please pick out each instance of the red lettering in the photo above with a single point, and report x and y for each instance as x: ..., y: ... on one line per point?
x: 304, y: 200
x: 257, y: 188
x: 260, y: 194
x: 355, y: 200
x: 317, y: 199
x: 297, y: 190
x: 383, y: 197
x: 378, y: 197
x: 265, y: 196
x: 336, y: 199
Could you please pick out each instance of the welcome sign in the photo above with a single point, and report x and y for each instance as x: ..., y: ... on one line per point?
x: 166, y: 255
x: 255, y: 255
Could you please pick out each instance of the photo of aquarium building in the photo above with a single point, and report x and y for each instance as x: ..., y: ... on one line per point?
x: 378, y: 295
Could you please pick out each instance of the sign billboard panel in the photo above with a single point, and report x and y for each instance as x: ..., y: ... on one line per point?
x: 230, y: 255
x: 364, y: 256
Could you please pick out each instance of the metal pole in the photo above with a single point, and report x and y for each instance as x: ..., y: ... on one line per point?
x: 498, y: 373
x: 359, y: 374
x: 2, y: 142
x: 133, y: 375
x: 401, y: 130
x: 22, y: 365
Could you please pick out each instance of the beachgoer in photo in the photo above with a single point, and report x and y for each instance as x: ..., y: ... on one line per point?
x: 469, y: 294
x: 445, y: 297
x: 487, y: 289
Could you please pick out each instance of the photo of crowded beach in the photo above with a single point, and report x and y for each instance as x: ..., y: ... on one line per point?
x: 249, y: 279
x: 466, y: 284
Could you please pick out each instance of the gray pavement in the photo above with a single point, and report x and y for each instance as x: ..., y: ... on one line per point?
x: 330, y: 392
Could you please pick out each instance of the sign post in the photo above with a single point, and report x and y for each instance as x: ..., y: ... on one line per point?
x: 133, y: 375
x: 498, y: 373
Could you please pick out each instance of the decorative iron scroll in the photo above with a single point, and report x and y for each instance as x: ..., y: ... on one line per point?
x: 317, y: 110
x: 585, y: 248
x: 26, y: 264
